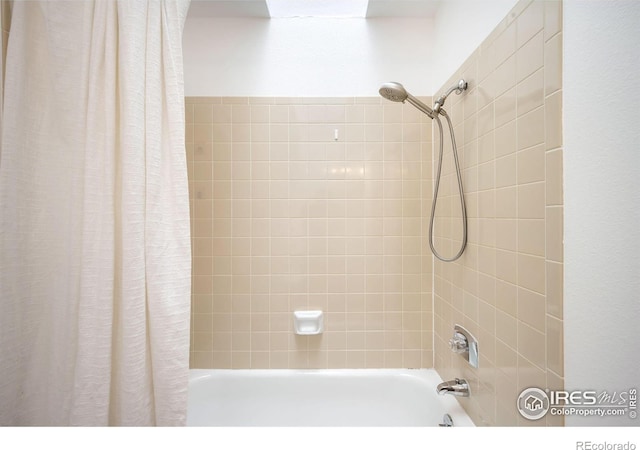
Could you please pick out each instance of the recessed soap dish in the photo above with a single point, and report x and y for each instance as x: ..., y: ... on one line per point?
x: 308, y: 322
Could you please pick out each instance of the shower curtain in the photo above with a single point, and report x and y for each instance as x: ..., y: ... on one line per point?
x: 94, y: 215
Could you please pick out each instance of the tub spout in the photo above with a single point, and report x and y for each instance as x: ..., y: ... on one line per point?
x: 457, y: 387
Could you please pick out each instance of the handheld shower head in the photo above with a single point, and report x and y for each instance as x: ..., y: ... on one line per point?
x: 397, y: 93
x: 394, y: 91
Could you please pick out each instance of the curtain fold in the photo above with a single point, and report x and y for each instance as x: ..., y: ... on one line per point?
x: 95, y: 255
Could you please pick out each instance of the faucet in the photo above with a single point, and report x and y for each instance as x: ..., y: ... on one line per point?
x: 458, y: 387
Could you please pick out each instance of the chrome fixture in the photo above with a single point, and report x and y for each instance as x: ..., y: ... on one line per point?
x: 458, y: 89
x: 447, y: 421
x: 465, y: 344
x: 397, y: 93
x: 457, y: 387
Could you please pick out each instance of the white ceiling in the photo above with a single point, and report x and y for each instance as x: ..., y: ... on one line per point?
x: 403, y: 8
x: 258, y: 8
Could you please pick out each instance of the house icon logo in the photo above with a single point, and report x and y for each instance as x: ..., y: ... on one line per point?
x: 533, y: 403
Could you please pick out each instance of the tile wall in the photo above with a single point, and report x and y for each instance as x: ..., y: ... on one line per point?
x: 286, y: 217
x: 5, y: 20
x: 507, y: 287
x: 309, y: 203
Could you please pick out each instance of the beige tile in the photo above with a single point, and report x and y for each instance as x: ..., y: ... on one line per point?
x: 202, y: 266
x: 235, y: 100
x: 555, y: 383
x: 222, y: 303
x: 487, y: 259
x: 505, y: 139
x: 201, y: 360
x: 530, y: 57
x: 259, y: 360
x: 470, y: 133
x: 531, y: 92
x: 202, y: 247
x: 300, y: 266
x: 506, y: 234
x: 188, y: 128
x: 505, y: 107
x: 531, y: 165
x: 531, y: 345
x: 507, y: 332
x: 507, y: 266
x: 555, y: 346
x: 554, y: 233
x: 486, y: 120
x: 552, y: 18
x: 221, y: 132
x: 506, y: 202
x: 554, y: 289
x: 529, y: 374
x: 531, y: 237
x: 202, y: 113
x: 553, y: 65
x: 504, y: 76
x: 505, y: 44
x: 221, y: 322
x: 553, y: 121
x: 486, y: 59
x: 203, y: 209
x: 530, y: 22
x: 374, y: 359
x: 412, y: 359
x: 202, y: 132
x: 202, y: 323
x: 531, y: 201
x: 355, y: 359
x: 188, y: 112
x: 202, y: 285
x: 531, y: 273
x: 506, y: 171
x: 222, y: 360
x: 554, y: 193
x: 392, y: 113
x: 531, y: 128
x: 531, y: 309
x: 6, y: 15
x: 220, y: 151
x: 203, y: 171
x: 507, y: 396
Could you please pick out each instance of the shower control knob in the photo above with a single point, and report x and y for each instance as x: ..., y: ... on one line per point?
x: 458, y: 343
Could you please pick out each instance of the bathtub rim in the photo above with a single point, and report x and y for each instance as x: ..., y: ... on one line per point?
x: 428, y: 376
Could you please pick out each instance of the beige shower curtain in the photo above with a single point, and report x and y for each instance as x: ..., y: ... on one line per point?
x: 94, y: 215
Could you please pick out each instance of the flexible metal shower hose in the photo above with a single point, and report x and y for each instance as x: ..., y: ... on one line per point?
x: 437, y: 186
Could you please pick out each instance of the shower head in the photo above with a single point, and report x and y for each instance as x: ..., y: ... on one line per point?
x: 394, y: 92
x: 397, y: 93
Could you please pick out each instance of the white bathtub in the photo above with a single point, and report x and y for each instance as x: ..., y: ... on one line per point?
x: 352, y: 398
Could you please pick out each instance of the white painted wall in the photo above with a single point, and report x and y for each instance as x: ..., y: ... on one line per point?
x: 602, y: 198
x: 334, y: 57
x: 306, y: 56
x: 460, y: 27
